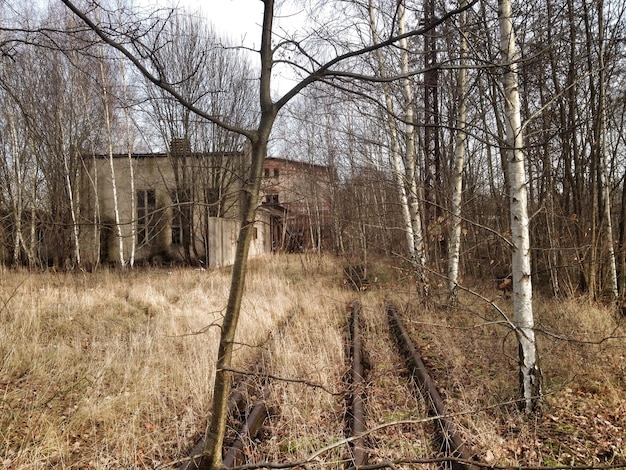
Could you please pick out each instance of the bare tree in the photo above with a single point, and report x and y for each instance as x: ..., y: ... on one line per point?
x: 530, y: 373
x: 217, y: 79
x: 404, y: 166
x: 52, y: 123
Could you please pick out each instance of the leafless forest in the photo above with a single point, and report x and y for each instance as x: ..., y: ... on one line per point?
x: 66, y: 96
x: 477, y: 146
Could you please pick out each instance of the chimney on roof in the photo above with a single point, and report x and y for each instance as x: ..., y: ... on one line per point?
x: 180, y: 146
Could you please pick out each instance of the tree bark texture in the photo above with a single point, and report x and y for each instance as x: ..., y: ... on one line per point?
x: 454, y: 248
x: 530, y: 374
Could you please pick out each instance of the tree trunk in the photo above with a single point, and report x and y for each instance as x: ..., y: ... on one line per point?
x: 131, y: 169
x: 459, y: 163
x: 411, y: 161
x: 404, y: 170
x: 530, y: 374
x: 109, y: 129
x: 396, y: 158
x: 250, y: 197
x: 600, y: 134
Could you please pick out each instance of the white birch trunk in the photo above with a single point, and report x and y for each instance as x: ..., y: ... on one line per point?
x: 70, y: 195
x: 131, y: 170
x: 18, y: 205
x: 396, y: 158
x: 457, y: 174
x: 606, y: 193
x: 411, y: 157
x: 530, y: 374
x: 92, y: 179
x: 107, y: 116
x: 405, y: 171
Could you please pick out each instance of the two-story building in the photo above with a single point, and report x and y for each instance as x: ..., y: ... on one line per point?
x: 298, y: 197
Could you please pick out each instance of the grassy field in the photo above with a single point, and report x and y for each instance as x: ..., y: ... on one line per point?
x: 114, y: 369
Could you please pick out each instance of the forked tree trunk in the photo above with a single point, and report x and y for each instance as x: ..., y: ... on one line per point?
x: 530, y: 373
x: 396, y: 158
x: 415, y: 207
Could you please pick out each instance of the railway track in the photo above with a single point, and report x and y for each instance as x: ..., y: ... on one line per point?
x: 362, y: 413
x: 247, y: 405
x: 451, y: 443
x: 358, y: 453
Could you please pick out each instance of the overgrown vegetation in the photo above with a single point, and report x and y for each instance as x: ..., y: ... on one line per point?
x: 114, y: 370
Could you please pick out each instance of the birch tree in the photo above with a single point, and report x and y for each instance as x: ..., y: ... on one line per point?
x: 530, y: 373
x: 454, y: 247
x: 106, y: 101
x: 599, y: 149
x: 404, y: 163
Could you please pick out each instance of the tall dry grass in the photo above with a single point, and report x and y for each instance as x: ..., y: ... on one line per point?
x: 115, y: 369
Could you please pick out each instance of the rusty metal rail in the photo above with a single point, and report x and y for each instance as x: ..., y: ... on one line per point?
x: 250, y: 428
x: 237, y: 404
x: 235, y: 455
x: 452, y: 443
x: 358, y: 453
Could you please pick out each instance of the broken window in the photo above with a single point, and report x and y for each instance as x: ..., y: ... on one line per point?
x: 146, y: 220
x: 271, y: 199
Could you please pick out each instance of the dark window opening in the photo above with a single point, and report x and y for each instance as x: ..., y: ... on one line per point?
x: 180, y: 215
x: 146, y: 221
x: 271, y: 199
x: 267, y: 173
x: 276, y: 172
x: 177, y: 230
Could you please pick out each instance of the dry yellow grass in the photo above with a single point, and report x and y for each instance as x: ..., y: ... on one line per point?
x: 114, y: 370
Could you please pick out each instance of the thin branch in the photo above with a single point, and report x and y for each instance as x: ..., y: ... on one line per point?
x: 284, y: 379
x: 158, y: 81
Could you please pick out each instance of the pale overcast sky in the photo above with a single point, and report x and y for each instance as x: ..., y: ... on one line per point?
x: 238, y: 19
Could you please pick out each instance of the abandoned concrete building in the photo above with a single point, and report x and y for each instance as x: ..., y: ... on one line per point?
x: 182, y: 206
